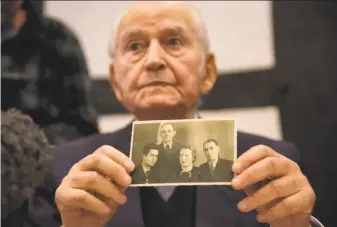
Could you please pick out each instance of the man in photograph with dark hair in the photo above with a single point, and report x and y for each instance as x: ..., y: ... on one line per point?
x: 144, y: 174
x: 187, y: 172
x: 215, y: 169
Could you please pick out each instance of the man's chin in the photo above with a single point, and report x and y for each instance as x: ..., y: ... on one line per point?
x: 159, y: 103
x: 161, y: 112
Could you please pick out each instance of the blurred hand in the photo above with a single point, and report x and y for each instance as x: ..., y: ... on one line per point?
x: 94, y: 187
x: 276, y: 188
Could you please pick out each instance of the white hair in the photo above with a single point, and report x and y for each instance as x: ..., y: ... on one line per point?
x: 202, y: 31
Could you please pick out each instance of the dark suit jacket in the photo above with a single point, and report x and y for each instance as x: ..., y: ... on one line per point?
x: 168, y: 160
x: 215, y: 205
x: 222, y: 172
x: 139, y: 177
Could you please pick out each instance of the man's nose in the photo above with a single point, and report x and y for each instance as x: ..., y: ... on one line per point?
x: 155, y: 61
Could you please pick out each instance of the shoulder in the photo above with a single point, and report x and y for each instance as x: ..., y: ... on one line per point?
x: 62, y: 38
x: 66, y: 155
x: 225, y: 161
x: 59, y: 30
x: 177, y: 144
x: 137, y: 169
x: 203, y: 165
x: 245, y: 141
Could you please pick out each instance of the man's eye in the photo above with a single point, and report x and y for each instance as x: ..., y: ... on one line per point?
x: 135, y: 46
x: 174, y: 41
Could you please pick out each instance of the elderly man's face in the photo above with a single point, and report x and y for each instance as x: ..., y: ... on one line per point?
x: 159, y: 60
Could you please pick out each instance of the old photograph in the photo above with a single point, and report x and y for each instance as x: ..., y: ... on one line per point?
x: 183, y: 152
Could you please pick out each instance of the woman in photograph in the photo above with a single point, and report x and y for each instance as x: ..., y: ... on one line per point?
x: 187, y: 172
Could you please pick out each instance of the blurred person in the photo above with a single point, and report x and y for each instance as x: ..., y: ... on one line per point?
x: 161, y: 66
x: 24, y: 161
x: 144, y: 174
x: 215, y: 168
x: 188, y: 172
x: 44, y: 73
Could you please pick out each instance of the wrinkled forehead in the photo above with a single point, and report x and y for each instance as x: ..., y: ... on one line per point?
x: 157, y: 17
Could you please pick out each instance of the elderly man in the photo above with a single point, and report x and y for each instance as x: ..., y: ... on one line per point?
x: 161, y: 66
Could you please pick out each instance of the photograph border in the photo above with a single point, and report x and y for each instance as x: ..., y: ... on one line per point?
x: 191, y: 183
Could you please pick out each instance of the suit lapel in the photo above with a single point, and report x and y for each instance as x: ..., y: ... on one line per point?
x: 216, y: 207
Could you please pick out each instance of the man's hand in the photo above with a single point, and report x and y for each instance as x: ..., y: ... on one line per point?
x: 275, y: 186
x: 94, y: 187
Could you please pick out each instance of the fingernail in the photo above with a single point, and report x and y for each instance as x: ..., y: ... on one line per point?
x: 242, y: 206
x: 236, y: 167
x: 260, y: 218
x: 127, y: 180
x: 236, y: 182
x: 129, y: 164
x: 105, y: 210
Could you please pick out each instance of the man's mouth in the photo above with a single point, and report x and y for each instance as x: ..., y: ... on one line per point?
x: 157, y: 83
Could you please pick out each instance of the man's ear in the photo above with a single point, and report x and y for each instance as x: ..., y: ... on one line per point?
x: 113, y: 82
x: 210, y: 76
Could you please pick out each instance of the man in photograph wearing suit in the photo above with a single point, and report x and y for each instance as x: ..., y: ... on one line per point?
x: 144, y: 173
x: 168, y: 160
x: 215, y: 169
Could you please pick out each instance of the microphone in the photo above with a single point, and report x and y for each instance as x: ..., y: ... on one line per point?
x: 25, y: 158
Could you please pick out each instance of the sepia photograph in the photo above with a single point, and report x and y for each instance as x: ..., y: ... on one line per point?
x: 183, y: 152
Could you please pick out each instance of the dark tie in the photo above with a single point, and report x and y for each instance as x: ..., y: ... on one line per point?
x: 147, y: 176
x: 167, y: 148
x: 212, y: 167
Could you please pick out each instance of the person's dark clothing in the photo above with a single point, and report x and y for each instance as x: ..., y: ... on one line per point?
x: 210, y: 206
x: 140, y: 177
x: 44, y: 74
x: 185, y: 177
x: 168, y: 161
x: 222, y: 171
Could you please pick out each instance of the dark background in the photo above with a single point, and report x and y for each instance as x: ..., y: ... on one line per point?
x: 303, y: 85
